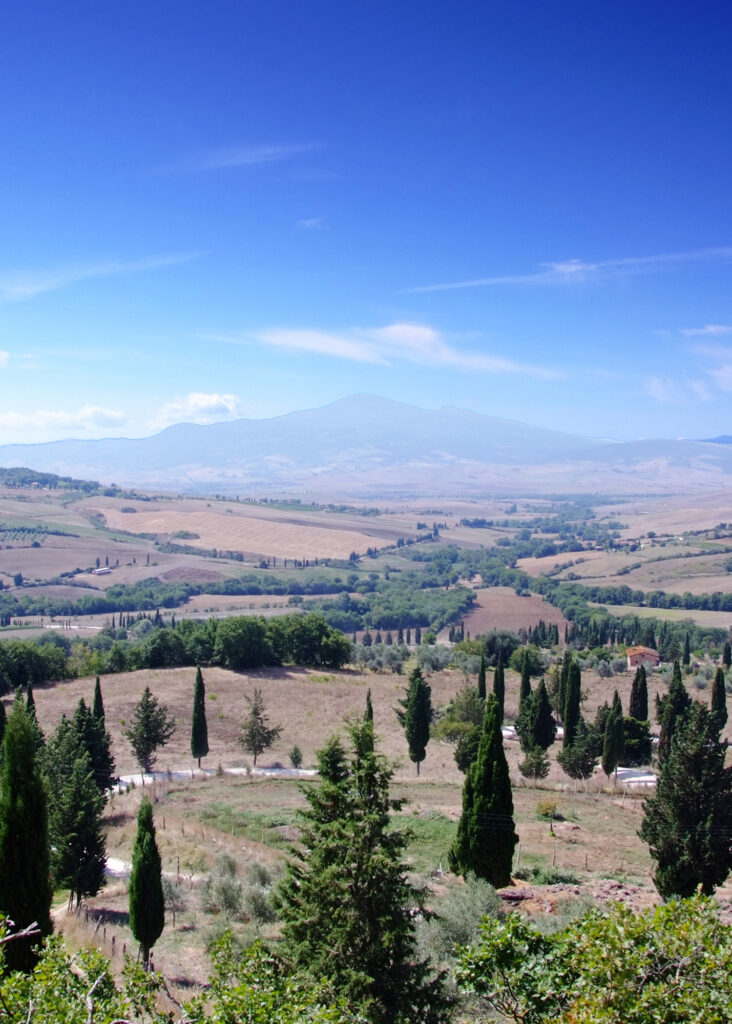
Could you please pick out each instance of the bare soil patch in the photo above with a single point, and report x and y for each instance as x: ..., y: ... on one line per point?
x: 502, y: 608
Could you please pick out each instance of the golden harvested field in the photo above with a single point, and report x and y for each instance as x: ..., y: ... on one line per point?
x: 723, y: 620
x: 502, y: 608
x: 254, y: 530
x: 671, y: 515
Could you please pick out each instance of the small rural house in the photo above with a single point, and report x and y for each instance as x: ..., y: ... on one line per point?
x: 642, y: 656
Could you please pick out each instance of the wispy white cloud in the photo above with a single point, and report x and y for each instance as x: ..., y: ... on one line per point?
x: 398, y: 342
x: 708, y: 331
x: 663, y: 389
x: 243, y: 156
x: 21, y: 285
x: 87, y: 419
x: 197, y: 407
x: 578, y: 271
x: 311, y: 223
x: 4, y: 357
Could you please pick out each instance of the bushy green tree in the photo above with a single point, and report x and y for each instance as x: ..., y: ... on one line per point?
x: 415, y: 716
x: 151, y: 729
x: 485, y: 837
x: 25, y: 890
x: 616, y: 966
x: 688, y: 821
x: 345, y: 901
x: 147, y: 903
x: 199, y: 726
x: 257, y: 735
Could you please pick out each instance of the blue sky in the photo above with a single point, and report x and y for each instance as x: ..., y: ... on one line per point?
x: 239, y: 208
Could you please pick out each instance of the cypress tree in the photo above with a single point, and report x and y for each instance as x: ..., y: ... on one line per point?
x: 98, y: 743
x: 25, y: 890
x: 78, y: 850
x: 563, y: 683
x: 571, y: 715
x: 30, y: 706
x: 610, y: 744
x: 727, y: 656
x: 686, y: 656
x: 98, y: 703
x: 688, y: 821
x: 542, y: 726
x: 580, y: 760
x: 199, y: 727
x: 499, y: 685
x: 369, y: 712
x: 638, y: 708
x: 485, y: 837
x: 147, y: 905
x: 525, y: 688
x: 481, y: 676
x: 3, y: 726
x: 671, y: 709
x: 719, y: 700
x: 416, y: 716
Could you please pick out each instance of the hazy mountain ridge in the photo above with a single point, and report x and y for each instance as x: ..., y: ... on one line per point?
x: 369, y: 445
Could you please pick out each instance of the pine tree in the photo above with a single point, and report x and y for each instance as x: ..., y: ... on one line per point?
x: 727, y: 656
x: 151, y: 729
x: 535, y: 765
x: 98, y: 703
x: 347, y: 907
x: 481, y: 676
x: 571, y: 713
x: 485, y: 837
x: 499, y: 685
x: 147, y: 904
x: 688, y: 821
x: 415, y: 716
x: 199, y: 727
x: 638, y: 708
x: 671, y: 709
x: 256, y: 733
x: 25, y: 890
x: 542, y: 726
x: 719, y: 700
x: 78, y: 851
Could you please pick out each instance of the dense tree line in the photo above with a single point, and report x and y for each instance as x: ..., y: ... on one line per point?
x: 239, y: 642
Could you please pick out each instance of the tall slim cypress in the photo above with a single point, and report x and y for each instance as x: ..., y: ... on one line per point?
x: 481, y: 676
x: 199, y: 727
x: 416, y: 716
x: 571, y: 714
x: 369, y: 712
x: 542, y: 726
x: 525, y: 688
x: 25, y: 890
x: 638, y: 708
x: 147, y: 905
x: 499, y: 685
x: 727, y: 655
x: 719, y: 700
x: 485, y: 837
x: 98, y: 704
x: 686, y: 656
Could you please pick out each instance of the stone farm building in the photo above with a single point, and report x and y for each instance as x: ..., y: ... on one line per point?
x: 642, y: 656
